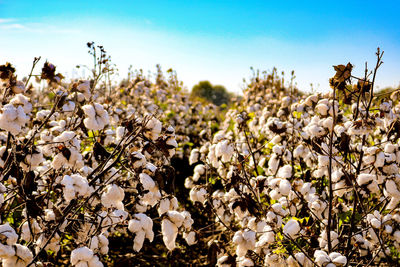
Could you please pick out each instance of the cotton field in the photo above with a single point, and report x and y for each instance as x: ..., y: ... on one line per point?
x: 94, y: 174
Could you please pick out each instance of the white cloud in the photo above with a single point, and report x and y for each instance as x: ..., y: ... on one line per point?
x: 2, y: 20
x: 13, y: 26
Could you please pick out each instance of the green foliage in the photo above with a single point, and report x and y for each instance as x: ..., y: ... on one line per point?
x: 216, y: 94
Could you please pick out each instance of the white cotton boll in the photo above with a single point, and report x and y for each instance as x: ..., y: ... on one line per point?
x: 284, y: 187
x: 380, y: 160
x: 95, y: 262
x: 375, y: 223
x: 285, y: 171
x: 396, y: 236
x: 190, y: 238
x: 7, y: 231
x: 390, y: 148
x: 322, y: 108
x: 172, y: 142
x: 150, y: 167
x: 273, y: 163
x: 201, y: 195
x: 365, y: 178
x: 94, y: 243
x: 328, y: 123
x: 200, y: 169
x: 23, y: 256
x: 134, y: 226
x: 6, y: 251
x: 21, y: 100
x: 238, y: 237
x: 113, y: 196
x: 321, y: 257
x: 138, y: 241
x: 83, y: 254
x: 266, y: 238
x: 103, y: 243
x: 291, y: 228
x: 138, y: 160
x: 89, y: 111
x: 147, y: 182
x: 224, y: 150
x: 163, y: 206
x: 154, y: 127
x: 299, y: 151
x: 169, y: 232
x: 176, y: 217
x: 391, y: 188
x: 194, y: 156
x: 119, y: 133
x: 338, y: 259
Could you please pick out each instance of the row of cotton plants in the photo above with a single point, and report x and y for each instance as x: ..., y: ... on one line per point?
x: 304, y: 180
x: 85, y: 174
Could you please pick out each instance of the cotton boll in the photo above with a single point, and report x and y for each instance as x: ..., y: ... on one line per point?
x: 81, y: 255
x: 176, y: 217
x: 138, y: 160
x: 365, y: 178
x: 163, y: 206
x: 190, y: 238
x: 6, y: 251
x: 338, y: 259
x: 113, y: 196
x: 153, y: 127
x: 9, y: 233
x: 321, y: 257
x: 284, y: 187
x: 194, y: 156
x: 138, y: 241
x: 285, y: 172
x: 169, y: 232
x: 224, y: 150
x: 23, y: 256
x: 380, y: 160
x: 147, y: 182
x: 291, y: 228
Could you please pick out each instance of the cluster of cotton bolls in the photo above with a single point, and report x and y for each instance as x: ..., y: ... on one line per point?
x: 15, y: 114
x: 11, y: 253
x: 88, y: 171
x: 272, y: 158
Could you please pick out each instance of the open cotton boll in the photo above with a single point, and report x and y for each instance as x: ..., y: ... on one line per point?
x: 365, y: 178
x: 169, y: 232
x: 163, y: 206
x: 22, y: 101
x: 138, y: 160
x: 113, y: 196
x: 74, y: 185
x: 224, y: 150
x: 291, y: 228
x: 285, y: 172
x: 81, y: 256
x: 96, y: 117
x: 13, y: 118
x: 153, y: 128
x: 26, y: 233
x: 147, y: 182
x: 138, y: 241
x: 22, y: 257
x: 321, y: 257
x: 176, y: 217
x: 194, y: 156
x: 8, y: 234
x: 190, y: 238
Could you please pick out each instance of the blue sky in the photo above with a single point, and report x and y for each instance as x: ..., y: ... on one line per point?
x: 206, y: 40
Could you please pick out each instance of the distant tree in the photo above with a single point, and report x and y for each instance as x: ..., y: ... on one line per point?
x: 216, y: 94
